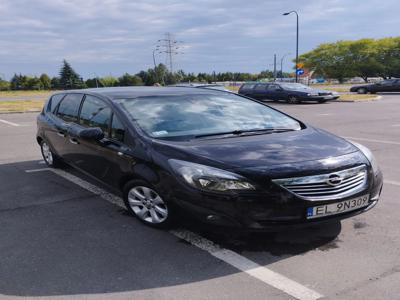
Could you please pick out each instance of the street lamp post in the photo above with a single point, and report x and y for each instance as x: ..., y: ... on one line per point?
x: 297, y: 38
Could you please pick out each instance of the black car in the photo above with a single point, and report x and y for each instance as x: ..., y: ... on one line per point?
x: 225, y: 159
x: 389, y: 85
x: 290, y: 92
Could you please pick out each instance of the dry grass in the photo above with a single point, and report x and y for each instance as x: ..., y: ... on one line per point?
x: 21, y: 106
x: 25, y: 94
x: 356, y: 97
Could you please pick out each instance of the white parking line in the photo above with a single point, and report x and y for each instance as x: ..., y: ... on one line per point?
x: 9, y: 123
x: 372, y: 140
x: 232, y: 258
x: 392, y: 182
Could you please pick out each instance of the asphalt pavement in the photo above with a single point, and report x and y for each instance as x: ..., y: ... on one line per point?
x: 63, y: 236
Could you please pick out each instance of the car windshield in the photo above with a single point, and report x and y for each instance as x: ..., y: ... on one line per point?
x: 188, y: 116
x: 295, y: 87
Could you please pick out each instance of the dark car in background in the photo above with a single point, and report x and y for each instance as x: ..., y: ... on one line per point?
x: 219, y: 157
x: 290, y: 92
x: 389, y: 85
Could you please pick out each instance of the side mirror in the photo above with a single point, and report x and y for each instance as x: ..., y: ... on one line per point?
x: 95, y: 134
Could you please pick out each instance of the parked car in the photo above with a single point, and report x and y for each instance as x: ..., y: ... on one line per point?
x: 291, y: 92
x: 219, y: 157
x: 389, y: 85
x: 211, y: 86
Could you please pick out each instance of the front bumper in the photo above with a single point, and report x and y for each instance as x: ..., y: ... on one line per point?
x: 319, y: 98
x: 270, y: 210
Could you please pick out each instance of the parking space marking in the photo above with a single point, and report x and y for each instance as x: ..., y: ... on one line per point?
x: 230, y: 257
x: 395, y: 125
x: 372, y: 140
x: 9, y: 123
x: 392, y: 182
x: 249, y: 267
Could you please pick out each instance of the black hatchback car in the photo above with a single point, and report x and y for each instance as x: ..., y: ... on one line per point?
x: 222, y: 158
x: 290, y: 92
x: 389, y: 85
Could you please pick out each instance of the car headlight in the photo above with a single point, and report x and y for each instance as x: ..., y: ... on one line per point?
x: 368, y: 154
x: 209, y: 178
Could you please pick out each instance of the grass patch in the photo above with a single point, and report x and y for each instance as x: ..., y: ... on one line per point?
x: 25, y: 94
x: 232, y: 88
x: 356, y: 97
x: 21, y: 106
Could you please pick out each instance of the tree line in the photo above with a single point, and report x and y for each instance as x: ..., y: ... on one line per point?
x: 361, y: 58
x: 69, y: 79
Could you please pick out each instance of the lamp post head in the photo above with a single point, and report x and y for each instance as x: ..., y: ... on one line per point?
x: 285, y: 14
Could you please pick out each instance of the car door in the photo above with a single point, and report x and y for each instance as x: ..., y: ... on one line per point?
x: 397, y: 86
x: 102, y: 159
x: 260, y: 92
x: 275, y: 92
x: 386, y: 86
x: 65, y: 114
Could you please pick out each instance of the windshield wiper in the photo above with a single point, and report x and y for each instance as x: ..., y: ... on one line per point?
x: 245, y: 132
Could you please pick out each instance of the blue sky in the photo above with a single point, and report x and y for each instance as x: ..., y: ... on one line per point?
x: 106, y: 37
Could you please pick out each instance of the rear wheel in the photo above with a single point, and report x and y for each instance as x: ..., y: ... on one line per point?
x: 49, y: 157
x: 293, y: 100
x: 362, y: 91
x: 144, y: 202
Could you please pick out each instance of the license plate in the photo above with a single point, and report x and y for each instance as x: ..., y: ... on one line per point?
x: 337, y: 208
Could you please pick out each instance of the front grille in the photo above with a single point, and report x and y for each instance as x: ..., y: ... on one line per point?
x: 327, y: 186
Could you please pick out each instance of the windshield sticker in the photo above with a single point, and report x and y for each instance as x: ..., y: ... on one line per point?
x: 159, y: 133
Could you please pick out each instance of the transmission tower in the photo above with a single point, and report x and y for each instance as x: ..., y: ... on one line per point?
x: 170, y: 47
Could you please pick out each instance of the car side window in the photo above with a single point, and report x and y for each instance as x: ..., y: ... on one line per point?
x: 95, y: 113
x: 53, y: 102
x: 69, y: 107
x: 260, y: 87
x: 117, y: 129
x: 248, y: 86
x: 273, y: 87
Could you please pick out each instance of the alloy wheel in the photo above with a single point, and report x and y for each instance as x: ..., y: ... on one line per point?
x: 147, y: 205
x: 47, y: 154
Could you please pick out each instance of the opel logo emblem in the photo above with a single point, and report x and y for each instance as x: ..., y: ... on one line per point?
x: 334, y: 180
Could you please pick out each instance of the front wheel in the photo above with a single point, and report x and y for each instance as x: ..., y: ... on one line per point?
x: 362, y: 91
x: 293, y: 100
x: 49, y: 157
x: 144, y: 202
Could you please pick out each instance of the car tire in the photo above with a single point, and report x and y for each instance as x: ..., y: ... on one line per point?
x: 362, y: 91
x: 293, y: 100
x: 145, y: 203
x: 51, y: 159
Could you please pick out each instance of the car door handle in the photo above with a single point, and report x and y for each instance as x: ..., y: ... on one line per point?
x: 60, y: 133
x: 73, y: 141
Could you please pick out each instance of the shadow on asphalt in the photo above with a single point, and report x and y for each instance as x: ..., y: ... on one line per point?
x: 59, y: 239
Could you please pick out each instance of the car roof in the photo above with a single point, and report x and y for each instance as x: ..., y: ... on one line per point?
x: 142, y: 91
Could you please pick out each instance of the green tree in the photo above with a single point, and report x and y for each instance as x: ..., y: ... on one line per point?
x: 45, y: 81
x: 69, y: 79
x: 4, y: 85
x: 129, y: 80
x: 108, y: 81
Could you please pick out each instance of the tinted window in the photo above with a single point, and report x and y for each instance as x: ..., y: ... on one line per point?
x: 273, y: 87
x: 69, y: 107
x: 191, y: 115
x: 53, y: 102
x: 95, y: 113
x: 117, y: 129
x: 260, y: 87
x: 248, y: 86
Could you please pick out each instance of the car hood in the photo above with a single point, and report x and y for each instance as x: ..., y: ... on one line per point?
x: 258, y: 150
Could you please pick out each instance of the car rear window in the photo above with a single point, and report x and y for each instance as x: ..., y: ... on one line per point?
x: 247, y: 86
x: 69, y: 107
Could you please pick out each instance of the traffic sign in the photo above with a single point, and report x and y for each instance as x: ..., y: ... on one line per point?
x: 300, y: 71
x: 300, y: 66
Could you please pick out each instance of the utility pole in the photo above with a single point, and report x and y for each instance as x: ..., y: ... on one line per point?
x: 170, y: 47
x: 274, y: 67
x: 297, y: 39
